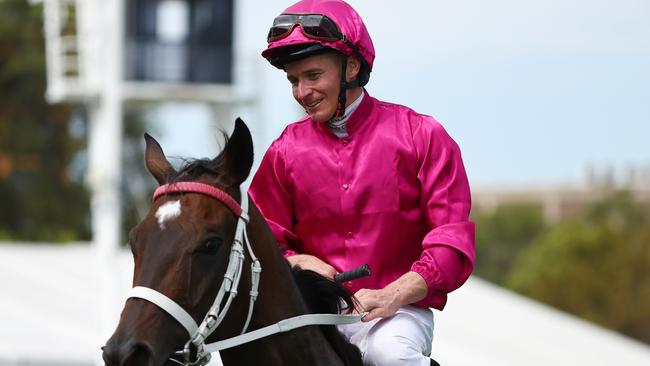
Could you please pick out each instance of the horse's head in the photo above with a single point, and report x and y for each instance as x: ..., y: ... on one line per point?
x: 180, y: 249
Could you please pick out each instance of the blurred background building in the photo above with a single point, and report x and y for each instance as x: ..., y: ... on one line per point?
x: 533, y: 93
x: 561, y: 202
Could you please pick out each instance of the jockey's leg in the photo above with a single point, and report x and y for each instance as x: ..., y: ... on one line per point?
x: 403, y: 339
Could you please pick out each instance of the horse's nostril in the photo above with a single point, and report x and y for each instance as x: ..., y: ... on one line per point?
x: 138, y: 354
x: 110, y: 356
x: 130, y: 354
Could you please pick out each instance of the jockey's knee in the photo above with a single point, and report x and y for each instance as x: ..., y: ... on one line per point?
x: 393, y: 350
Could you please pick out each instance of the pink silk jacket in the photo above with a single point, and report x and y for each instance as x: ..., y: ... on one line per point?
x: 393, y: 194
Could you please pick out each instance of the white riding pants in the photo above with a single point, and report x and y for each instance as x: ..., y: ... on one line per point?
x: 403, y: 339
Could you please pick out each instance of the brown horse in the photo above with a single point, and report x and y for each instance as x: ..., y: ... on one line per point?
x: 181, y: 249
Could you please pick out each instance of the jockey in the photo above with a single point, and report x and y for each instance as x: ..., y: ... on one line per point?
x: 358, y: 180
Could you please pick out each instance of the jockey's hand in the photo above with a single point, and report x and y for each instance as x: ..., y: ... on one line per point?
x: 378, y: 303
x: 306, y: 261
x: 383, y: 303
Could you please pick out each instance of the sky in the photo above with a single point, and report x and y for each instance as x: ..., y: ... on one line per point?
x: 534, y: 92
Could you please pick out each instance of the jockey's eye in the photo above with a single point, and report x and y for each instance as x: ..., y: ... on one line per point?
x: 313, y: 75
x: 210, y: 245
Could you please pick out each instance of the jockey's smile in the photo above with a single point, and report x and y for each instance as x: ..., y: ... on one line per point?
x: 315, y: 83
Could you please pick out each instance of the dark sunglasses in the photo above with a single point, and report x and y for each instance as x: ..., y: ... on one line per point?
x: 315, y: 26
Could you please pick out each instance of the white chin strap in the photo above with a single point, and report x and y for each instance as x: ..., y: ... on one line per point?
x: 196, y: 352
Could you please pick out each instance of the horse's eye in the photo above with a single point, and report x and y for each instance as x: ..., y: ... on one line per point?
x: 211, y: 245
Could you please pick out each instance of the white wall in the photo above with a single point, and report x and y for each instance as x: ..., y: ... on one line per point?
x: 51, y: 305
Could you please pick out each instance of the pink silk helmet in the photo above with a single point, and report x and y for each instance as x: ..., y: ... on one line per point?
x: 345, y: 17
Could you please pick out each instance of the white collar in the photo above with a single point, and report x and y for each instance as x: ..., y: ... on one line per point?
x: 338, y: 125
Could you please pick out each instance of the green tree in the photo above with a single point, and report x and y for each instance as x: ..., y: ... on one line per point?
x: 501, y: 235
x: 596, y: 266
x: 41, y: 200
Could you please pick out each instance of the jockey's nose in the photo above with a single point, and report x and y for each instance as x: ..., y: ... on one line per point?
x: 302, y: 91
x: 128, y: 354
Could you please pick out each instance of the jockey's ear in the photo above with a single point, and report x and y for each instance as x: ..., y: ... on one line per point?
x: 156, y: 162
x: 352, y: 69
x: 239, y: 154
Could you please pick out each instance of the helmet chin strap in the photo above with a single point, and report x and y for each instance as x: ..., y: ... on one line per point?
x: 344, y: 86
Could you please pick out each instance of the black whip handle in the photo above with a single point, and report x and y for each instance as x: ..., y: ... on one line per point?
x: 353, y: 274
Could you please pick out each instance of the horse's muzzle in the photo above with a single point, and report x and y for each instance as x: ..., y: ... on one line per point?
x: 127, y: 354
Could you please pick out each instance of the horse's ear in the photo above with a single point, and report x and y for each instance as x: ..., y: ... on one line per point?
x: 239, y: 153
x: 156, y: 162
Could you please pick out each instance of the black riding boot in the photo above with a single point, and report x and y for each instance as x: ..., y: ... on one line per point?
x: 434, y: 363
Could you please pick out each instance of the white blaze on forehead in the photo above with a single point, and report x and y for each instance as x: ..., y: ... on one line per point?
x: 168, y: 211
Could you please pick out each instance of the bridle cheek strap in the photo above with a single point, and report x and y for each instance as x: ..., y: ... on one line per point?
x: 228, y: 290
x: 167, y: 304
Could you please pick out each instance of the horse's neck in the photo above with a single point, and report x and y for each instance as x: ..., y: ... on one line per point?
x: 279, y: 295
x: 279, y: 299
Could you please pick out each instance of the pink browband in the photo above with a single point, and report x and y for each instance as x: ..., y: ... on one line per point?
x: 195, y: 187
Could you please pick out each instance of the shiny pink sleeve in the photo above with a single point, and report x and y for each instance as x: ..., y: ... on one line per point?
x: 448, y: 249
x: 272, y: 194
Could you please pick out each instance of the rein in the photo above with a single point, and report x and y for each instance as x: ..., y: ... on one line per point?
x: 195, y: 351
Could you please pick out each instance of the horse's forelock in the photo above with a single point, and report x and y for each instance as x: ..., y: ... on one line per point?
x: 196, y: 168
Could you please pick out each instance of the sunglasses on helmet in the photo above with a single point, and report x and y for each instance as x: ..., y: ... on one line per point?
x: 314, y: 26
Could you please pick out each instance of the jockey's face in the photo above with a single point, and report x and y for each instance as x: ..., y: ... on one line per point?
x: 315, y: 83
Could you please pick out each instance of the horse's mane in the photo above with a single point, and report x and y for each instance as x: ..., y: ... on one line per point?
x: 324, y: 296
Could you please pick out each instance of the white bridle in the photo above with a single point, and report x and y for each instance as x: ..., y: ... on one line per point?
x: 196, y: 352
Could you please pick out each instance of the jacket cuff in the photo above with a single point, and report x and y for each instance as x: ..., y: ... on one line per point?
x: 421, y: 269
